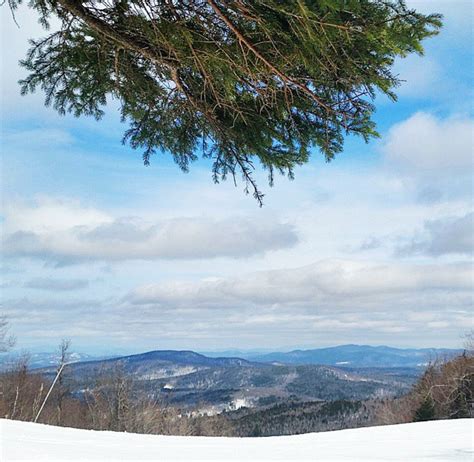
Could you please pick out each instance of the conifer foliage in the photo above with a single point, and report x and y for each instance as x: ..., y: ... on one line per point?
x: 239, y: 81
x: 426, y: 410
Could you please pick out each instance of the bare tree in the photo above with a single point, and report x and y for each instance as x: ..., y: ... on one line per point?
x: 21, y: 392
x: 109, y: 400
x: 62, y: 389
x: 63, y: 360
x: 116, y: 403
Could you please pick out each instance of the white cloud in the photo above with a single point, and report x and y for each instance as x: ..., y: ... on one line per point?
x: 432, y: 157
x: 66, y: 232
x: 448, y: 235
x: 323, y: 285
x: 389, y: 320
x: 424, y: 143
x: 50, y: 215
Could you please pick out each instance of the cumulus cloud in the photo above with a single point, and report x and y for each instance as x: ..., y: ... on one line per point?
x: 426, y: 143
x: 449, y: 235
x: 66, y: 232
x: 432, y: 157
x: 326, y: 284
x: 56, y: 285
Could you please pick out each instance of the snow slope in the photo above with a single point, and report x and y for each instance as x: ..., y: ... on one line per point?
x: 448, y: 440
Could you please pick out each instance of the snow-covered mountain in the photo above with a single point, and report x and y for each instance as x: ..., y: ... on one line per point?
x: 444, y: 440
x: 195, y: 378
x: 341, y: 355
x: 38, y: 360
x: 360, y: 356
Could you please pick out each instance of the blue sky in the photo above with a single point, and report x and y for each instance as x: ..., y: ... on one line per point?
x: 374, y: 247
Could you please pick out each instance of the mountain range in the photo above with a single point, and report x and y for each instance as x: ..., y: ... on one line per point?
x: 188, y: 379
x: 360, y: 356
x: 343, y: 355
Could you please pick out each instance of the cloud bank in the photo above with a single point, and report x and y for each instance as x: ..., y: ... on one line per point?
x: 66, y: 233
x: 323, y: 285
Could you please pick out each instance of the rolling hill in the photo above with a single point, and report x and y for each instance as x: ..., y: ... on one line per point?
x: 360, y: 356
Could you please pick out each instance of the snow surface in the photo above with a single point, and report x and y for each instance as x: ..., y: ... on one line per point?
x: 446, y: 440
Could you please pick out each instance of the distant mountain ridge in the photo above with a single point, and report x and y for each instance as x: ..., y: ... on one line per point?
x: 360, y: 356
x: 183, y: 357
x: 341, y: 356
x: 46, y: 359
x: 159, y: 364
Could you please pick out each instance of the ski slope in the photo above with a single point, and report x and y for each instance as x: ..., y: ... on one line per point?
x: 447, y: 440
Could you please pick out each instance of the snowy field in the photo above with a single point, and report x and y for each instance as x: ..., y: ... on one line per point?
x: 448, y: 440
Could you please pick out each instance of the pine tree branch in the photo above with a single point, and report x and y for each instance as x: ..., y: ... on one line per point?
x: 262, y: 58
x: 151, y: 52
